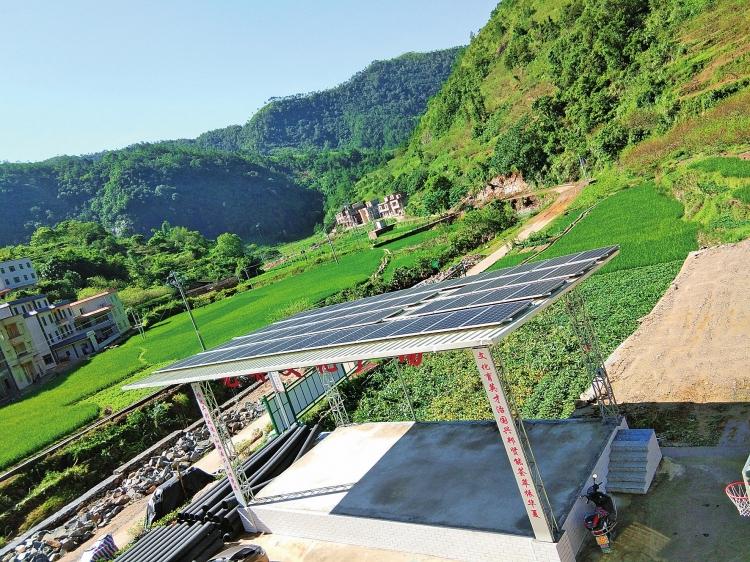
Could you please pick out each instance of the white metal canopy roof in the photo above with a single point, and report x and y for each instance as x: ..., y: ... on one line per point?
x: 300, y: 341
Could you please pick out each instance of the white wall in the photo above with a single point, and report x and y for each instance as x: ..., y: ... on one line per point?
x: 17, y: 273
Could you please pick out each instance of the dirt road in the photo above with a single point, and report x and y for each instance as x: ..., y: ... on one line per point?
x: 695, y: 344
x: 566, y: 194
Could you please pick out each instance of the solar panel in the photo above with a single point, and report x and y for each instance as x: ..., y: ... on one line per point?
x: 536, y: 290
x: 597, y: 254
x: 498, y: 313
x: 554, y: 262
x: 455, y: 319
x: 569, y: 270
x: 491, y: 298
x: 498, y: 295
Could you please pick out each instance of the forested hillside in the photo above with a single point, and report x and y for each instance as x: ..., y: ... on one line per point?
x: 322, y: 143
x: 555, y: 87
x: 376, y: 108
x: 135, y: 190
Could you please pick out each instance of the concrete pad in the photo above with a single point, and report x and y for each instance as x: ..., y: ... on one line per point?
x: 685, y: 515
x: 293, y: 549
x: 449, y: 474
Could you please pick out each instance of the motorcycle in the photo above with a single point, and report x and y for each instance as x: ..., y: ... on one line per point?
x: 603, y: 520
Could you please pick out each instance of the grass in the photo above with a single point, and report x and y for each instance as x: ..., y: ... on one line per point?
x: 727, y: 167
x: 71, y: 401
x: 646, y: 224
x: 716, y: 194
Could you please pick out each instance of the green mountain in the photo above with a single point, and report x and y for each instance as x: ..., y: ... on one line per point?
x: 136, y: 189
x: 220, y: 182
x: 548, y: 86
x: 376, y: 108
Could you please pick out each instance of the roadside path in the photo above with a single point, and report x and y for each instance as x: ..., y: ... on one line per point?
x: 567, y: 193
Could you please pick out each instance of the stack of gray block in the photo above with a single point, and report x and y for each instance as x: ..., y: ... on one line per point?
x: 633, y: 460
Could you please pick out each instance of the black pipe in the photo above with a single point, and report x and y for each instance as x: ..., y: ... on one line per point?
x: 186, y: 547
x: 150, y: 541
x: 314, y: 432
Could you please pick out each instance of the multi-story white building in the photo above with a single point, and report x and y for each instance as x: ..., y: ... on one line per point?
x: 15, y: 274
x: 36, y: 336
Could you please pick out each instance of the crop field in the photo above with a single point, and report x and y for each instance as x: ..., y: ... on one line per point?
x: 727, y: 167
x: 542, y: 360
x: 62, y: 406
x: 646, y: 224
x: 716, y: 195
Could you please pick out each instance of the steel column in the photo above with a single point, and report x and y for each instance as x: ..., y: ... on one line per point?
x: 518, y: 449
x: 333, y: 396
x: 592, y: 356
x: 222, y: 441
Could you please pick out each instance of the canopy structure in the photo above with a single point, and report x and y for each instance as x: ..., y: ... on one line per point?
x: 472, y: 312
x: 460, y: 313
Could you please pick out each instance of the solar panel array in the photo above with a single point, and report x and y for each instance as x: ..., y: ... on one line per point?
x: 489, y: 299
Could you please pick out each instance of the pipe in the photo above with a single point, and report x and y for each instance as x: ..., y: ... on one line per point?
x: 314, y: 432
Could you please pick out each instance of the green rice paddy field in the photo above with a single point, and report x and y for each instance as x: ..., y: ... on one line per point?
x: 71, y: 401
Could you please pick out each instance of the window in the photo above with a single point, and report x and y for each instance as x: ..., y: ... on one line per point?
x: 7, y: 282
x: 12, y: 268
x: 44, y: 321
x: 17, y: 279
x: 33, y: 275
x: 28, y: 264
x: 2, y: 270
x: 20, y: 266
x: 25, y: 277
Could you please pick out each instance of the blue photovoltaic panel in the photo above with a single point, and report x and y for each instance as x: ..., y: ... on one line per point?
x: 496, y: 296
x: 498, y: 313
x: 418, y: 325
x: 453, y: 320
x: 570, y: 270
x: 538, y: 289
x: 492, y: 297
x: 554, y: 262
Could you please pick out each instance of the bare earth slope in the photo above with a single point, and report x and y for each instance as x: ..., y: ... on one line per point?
x: 695, y: 344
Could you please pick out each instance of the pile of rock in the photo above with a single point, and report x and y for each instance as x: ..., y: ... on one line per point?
x: 47, y: 546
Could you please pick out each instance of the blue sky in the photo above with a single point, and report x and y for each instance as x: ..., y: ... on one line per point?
x: 81, y: 76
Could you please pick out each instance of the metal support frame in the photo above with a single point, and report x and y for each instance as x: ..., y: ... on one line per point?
x: 334, y: 398
x: 592, y: 356
x: 223, y: 442
x: 407, y: 397
x: 517, y: 447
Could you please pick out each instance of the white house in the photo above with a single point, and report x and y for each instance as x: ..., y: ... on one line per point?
x: 17, y: 273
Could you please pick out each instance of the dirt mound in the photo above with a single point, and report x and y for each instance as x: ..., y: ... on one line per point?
x: 695, y: 345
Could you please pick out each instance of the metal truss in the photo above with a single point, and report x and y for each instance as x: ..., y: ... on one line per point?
x: 303, y: 494
x: 334, y: 398
x: 222, y: 441
x: 592, y: 356
x: 523, y: 438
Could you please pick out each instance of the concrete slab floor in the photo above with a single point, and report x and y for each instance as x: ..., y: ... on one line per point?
x: 281, y: 548
x: 685, y: 516
x: 452, y: 474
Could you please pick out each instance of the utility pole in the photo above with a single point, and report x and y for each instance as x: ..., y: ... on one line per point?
x: 333, y: 250
x: 138, y: 322
x: 174, y: 280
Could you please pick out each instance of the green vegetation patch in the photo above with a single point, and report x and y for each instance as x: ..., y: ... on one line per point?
x: 59, y: 408
x: 727, y: 167
x: 647, y: 225
x: 542, y: 360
